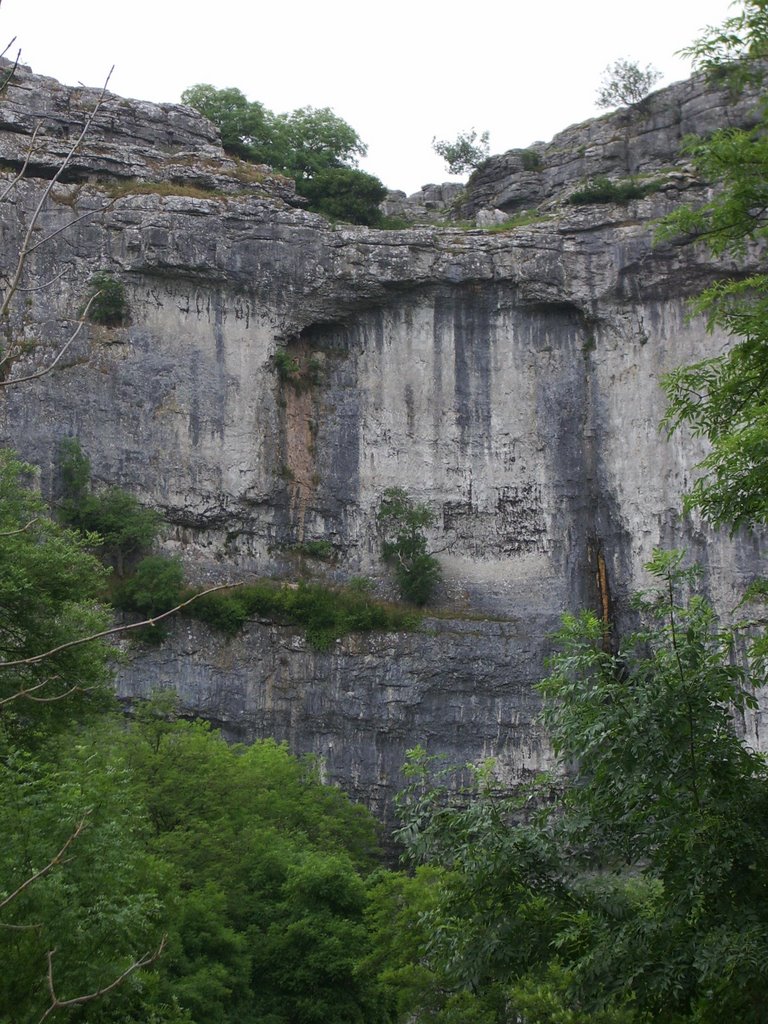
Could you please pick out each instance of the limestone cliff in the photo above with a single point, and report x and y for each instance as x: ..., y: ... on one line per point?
x: 508, y: 378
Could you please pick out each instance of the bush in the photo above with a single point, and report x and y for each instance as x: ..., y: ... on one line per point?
x: 531, y: 160
x: 626, y: 83
x: 155, y: 587
x: 603, y: 190
x: 326, y: 614
x: 108, y: 305
x: 417, y: 572
x: 465, y: 153
x: 344, y: 193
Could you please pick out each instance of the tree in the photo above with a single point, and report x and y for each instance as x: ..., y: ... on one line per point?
x: 465, y: 153
x: 114, y: 521
x: 247, y: 128
x: 725, y: 399
x: 405, y: 545
x: 629, y: 883
x: 625, y: 83
x: 314, y: 146
x: 344, y: 193
x: 318, y: 139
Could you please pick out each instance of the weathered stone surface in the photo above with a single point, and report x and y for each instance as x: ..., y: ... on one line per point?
x: 510, y: 379
x: 641, y: 140
x: 40, y: 119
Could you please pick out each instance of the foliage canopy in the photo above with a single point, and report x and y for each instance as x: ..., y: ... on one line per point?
x: 625, y: 83
x: 466, y: 152
x: 314, y: 146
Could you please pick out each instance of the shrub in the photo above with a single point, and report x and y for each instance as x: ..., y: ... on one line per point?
x: 326, y: 613
x: 285, y: 365
x: 405, y: 546
x: 531, y: 160
x: 603, y: 190
x: 465, y: 153
x: 108, y: 305
x: 155, y: 587
x: 625, y: 83
x: 344, y: 193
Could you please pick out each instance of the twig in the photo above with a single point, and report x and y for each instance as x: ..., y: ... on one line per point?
x: 52, y: 366
x: 37, y: 658
x: 49, y: 866
x: 15, y: 533
x: 26, y: 246
x: 60, y: 1004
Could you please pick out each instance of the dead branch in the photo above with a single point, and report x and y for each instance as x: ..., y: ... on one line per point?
x: 14, y: 533
x: 17, y: 178
x: 52, y: 366
x: 29, y: 693
x: 60, y: 1004
x: 27, y: 246
x: 58, y: 859
x: 37, y: 658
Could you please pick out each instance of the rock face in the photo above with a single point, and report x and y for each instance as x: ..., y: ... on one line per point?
x: 510, y: 379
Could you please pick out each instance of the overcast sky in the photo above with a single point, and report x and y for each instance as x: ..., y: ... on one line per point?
x: 398, y: 72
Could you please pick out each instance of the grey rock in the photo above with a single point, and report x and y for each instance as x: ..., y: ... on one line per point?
x: 510, y: 379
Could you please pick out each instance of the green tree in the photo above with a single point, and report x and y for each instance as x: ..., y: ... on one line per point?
x: 78, y: 907
x: 266, y: 918
x: 465, y: 153
x: 625, y: 83
x: 725, y: 399
x: 114, y: 521
x: 318, y: 139
x: 344, y: 193
x: 314, y: 146
x: 405, y: 545
x: 49, y: 584
x: 247, y: 128
x: 636, y: 876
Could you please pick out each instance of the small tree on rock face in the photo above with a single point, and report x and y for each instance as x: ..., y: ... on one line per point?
x: 625, y: 83
x: 405, y: 546
x: 465, y: 153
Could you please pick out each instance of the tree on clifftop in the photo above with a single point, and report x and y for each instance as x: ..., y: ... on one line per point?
x: 625, y: 83
x: 314, y: 146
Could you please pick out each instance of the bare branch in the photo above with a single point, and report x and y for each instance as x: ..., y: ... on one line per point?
x: 49, y: 866
x: 27, y: 246
x: 60, y: 1004
x: 37, y: 658
x: 30, y: 148
x: 14, y: 533
x: 12, y: 70
x: 29, y: 693
x: 51, y: 366
x: 68, y: 225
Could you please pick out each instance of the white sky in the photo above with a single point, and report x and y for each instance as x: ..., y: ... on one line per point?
x: 399, y: 72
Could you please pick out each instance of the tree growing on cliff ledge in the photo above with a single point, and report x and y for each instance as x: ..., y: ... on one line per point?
x: 625, y: 83
x: 314, y: 146
x: 405, y: 545
x: 465, y: 153
x: 725, y: 399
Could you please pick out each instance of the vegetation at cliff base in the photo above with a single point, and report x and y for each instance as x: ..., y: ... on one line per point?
x: 628, y: 885
x: 315, y: 147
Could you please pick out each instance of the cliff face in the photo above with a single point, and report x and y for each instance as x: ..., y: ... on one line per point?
x: 509, y: 379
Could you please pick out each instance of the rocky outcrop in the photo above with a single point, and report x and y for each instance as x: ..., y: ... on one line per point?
x: 510, y: 379
x: 642, y: 141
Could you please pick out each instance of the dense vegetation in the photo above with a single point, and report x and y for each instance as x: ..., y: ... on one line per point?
x: 151, y: 872
x: 313, y: 146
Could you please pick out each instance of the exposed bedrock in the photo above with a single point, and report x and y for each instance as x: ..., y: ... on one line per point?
x: 509, y: 379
